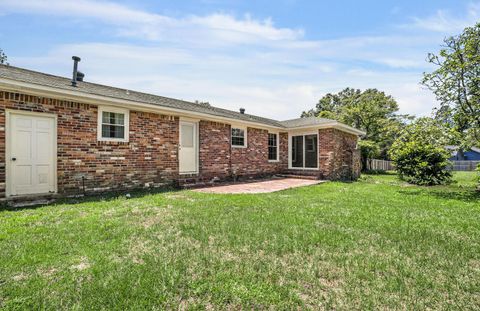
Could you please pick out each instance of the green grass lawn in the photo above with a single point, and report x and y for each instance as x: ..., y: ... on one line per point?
x: 374, y: 244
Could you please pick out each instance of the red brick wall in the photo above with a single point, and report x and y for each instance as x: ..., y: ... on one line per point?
x: 219, y: 160
x: 283, y: 151
x: 338, y: 156
x: 214, y: 151
x: 253, y: 160
x: 149, y: 158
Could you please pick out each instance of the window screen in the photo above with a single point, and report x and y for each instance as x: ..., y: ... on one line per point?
x: 238, y: 137
x: 113, y: 125
x: 272, y: 146
x: 187, y: 136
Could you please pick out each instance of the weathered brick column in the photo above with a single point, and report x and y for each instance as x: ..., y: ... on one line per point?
x: 339, y: 158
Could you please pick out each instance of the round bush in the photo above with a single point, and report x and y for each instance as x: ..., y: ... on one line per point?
x: 419, y: 154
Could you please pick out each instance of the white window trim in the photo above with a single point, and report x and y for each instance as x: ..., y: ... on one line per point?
x: 278, y: 148
x: 245, y: 138
x: 126, y: 112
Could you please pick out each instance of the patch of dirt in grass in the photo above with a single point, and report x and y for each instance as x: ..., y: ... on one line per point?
x: 82, y: 265
x: 139, y: 248
x: 20, y: 277
x: 151, y: 216
x: 110, y: 212
x: 46, y: 272
x: 474, y: 264
x: 194, y: 303
x: 160, y: 215
x: 317, y: 293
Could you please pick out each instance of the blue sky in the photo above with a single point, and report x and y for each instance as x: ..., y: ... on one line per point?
x: 275, y: 58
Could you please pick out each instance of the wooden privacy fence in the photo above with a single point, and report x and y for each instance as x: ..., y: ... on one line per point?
x: 380, y: 165
x: 463, y: 165
x: 384, y: 165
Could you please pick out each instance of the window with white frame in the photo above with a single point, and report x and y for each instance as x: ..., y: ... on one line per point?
x: 113, y: 124
x: 239, y: 137
x: 272, y: 146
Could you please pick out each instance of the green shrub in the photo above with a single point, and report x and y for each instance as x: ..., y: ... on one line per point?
x: 419, y: 153
x: 478, y: 177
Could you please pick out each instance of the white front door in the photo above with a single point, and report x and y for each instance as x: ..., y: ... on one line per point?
x: 31, y: 157
x: 188, y: 148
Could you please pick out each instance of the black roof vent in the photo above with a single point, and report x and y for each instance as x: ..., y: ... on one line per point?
x: 76, y: 59
x: 80, y: 76
x: 242, y: 110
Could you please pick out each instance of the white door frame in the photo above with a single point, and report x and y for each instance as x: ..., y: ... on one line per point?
x: 290, y: 134
x: 8, y: 148
x: 196, y: 138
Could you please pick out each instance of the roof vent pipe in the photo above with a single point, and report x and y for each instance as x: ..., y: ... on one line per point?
x: 76, y: 59
x: 242, y: 110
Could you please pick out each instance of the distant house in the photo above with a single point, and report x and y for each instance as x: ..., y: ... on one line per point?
x: 468, y: 155
x: 65, y: 136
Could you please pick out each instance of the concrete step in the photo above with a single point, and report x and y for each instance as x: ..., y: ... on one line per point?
x: 31, y: 200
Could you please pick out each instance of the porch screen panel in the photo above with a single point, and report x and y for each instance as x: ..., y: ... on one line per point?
x: 297, y: 151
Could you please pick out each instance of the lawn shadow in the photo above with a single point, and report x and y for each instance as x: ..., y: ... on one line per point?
x: 92, y: 197
x: 379, y: 172
x: 464, y: 195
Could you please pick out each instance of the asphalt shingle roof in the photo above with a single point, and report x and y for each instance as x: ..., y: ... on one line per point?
x: 43, y: 79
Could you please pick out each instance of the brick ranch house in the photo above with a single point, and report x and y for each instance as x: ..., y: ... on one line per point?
x: 66, y: 136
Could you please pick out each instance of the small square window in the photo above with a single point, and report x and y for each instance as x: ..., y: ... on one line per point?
x: 113, y: 124
x: 238, y: 137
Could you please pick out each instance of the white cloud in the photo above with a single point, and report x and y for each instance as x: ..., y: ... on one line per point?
x: 234, y: 62
x: 151, y: 26
x: 446, y: 22
x: 402, y: 62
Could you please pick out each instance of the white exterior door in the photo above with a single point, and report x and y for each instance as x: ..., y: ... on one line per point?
x: 31, y: 158
x: 188, y: 148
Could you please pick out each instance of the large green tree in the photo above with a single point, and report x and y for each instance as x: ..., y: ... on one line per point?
x: 456, y: 85
x: 3, y: 57
x: 371, y: 110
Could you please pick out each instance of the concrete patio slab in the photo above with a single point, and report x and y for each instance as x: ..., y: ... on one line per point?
x: 262, y: 186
